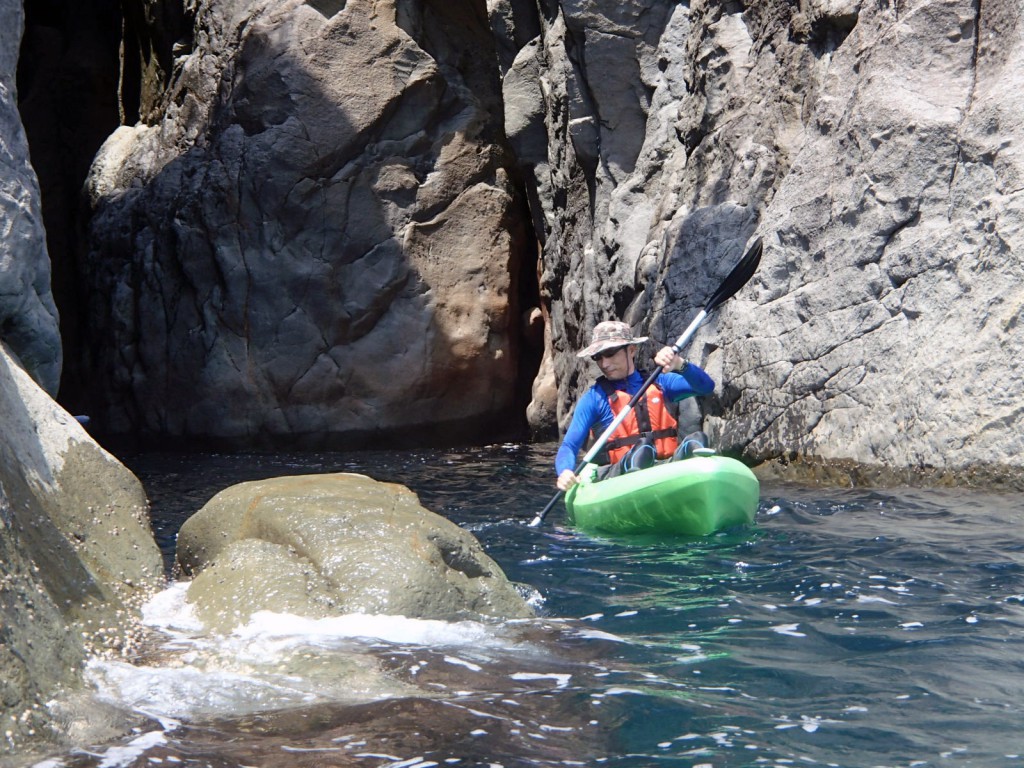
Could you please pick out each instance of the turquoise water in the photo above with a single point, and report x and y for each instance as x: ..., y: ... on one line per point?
x: 846, y: 628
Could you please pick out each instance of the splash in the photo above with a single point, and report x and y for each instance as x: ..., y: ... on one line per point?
x: 278, y: 661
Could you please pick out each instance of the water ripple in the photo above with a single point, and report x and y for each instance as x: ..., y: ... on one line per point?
x: 846, y: 628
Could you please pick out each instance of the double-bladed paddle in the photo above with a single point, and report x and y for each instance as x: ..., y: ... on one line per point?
x: 735, y: 280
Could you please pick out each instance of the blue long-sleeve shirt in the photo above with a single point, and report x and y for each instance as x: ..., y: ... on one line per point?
x: 593, y: 411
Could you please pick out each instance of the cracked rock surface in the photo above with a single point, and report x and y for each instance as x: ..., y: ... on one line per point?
x: 876, y: 149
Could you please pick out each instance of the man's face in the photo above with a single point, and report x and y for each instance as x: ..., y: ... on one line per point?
x: 616, y: 363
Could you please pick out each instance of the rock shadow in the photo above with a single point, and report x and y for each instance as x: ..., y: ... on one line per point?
x: 319, y: 244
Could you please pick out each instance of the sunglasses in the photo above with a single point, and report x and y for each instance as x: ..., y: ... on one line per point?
x: 607, y: 353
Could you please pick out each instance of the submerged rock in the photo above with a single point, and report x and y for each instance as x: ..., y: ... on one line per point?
x: 322, y: 545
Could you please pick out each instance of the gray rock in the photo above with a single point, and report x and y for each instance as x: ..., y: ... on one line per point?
x: 77, y: 554
x: 882, y: 330
x: 875, y: 149
x: 28, y: 316
x: 524, y: 107
x: 323, y: 241
x: 325, y: 238
x: 335, y: 544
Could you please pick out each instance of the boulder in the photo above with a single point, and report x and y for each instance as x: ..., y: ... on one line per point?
x: 323, y: 241
x: 77, y: 557
x: 323, y: 545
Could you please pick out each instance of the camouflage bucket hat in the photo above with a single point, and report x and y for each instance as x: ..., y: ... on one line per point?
x: 610, y: 334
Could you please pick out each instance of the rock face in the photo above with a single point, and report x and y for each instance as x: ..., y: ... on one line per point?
x: 875, y: 147
x: 884, y: 325
x: 28, y: 315
x: 314, y: 229
x: 317, y: 237
x: 322, y: 545
x: 76, y: 550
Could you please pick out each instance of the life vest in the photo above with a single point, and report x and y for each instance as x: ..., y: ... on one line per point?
x: 649, y: 420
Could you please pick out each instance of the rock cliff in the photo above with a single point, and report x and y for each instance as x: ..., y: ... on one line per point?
x: 325, y: 244
x: 77, y: 556
x: 316, y: 222
x: 28, y: 314
x: 874, y: 146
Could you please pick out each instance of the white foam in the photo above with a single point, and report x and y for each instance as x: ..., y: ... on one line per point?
x: 277, y: 660
x: 185, y: 692
x: 277, y: 632
x: 788, y: 629
x: 561, y: 681
x: 873, y: 599
x: 170, y: 612
x: 463, y: 663
x: 121, y: 756
x: 597, y: 634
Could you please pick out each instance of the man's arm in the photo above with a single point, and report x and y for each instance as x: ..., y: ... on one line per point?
x: 587, y: 414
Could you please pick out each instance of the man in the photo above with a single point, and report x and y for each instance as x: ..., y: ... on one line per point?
x: 650, y: 431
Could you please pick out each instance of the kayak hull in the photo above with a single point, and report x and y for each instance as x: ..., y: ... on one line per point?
x: 692, y: 497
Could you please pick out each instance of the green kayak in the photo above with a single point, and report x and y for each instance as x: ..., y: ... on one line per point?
x: 693, y: 497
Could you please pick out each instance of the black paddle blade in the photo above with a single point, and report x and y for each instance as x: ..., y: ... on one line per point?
x: 739, y: 276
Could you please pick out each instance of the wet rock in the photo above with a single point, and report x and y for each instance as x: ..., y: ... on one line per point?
x: 77, y: 557
x: 322, y: 545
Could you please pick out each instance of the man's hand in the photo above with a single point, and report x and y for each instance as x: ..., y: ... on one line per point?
x: 566, y: 480
x: 669, y: 360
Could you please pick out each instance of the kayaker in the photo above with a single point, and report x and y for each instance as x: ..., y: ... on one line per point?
x: 650, y: 432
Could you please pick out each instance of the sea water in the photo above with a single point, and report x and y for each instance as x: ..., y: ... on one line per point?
x: 845, y: 628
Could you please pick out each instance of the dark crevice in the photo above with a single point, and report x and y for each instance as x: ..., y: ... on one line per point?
x: 67, y: 79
